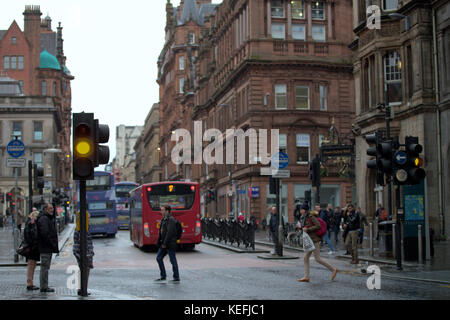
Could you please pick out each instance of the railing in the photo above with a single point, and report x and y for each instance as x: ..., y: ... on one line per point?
x: 229, y: 231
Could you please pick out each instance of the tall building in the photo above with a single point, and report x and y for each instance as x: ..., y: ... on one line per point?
x: 41, y: 113
x: 126, y: 137
x: 268, y: 64
x: 402, y: 61
x: 147, y: 149
x: 176, y: 76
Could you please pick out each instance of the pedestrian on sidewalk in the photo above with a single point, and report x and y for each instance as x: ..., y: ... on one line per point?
x: 326, y: 215
x: 77, y: 248
x: 273, y: 227
x: 337, y: 219
x: 167, y: 242
x: 352, y: 225
x: 344, y: 226
x: 363, y: 223
x: 310, y: 224
x: 48, y: 244
x: 30, y: 234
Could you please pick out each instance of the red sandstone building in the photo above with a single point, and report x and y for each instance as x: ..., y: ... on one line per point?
x: 35, y: 58
x: 263, y: 64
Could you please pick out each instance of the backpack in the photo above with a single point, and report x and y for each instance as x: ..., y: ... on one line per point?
x: 178, y: 228
x: 323, y: 227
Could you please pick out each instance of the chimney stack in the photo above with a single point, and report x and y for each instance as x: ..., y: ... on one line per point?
x: 32, y: 28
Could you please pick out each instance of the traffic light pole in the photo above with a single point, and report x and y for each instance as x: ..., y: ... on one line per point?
x: 83, y: 239
x: 280, y: 219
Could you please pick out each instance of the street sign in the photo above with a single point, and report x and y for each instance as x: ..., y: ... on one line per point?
x: 281, y: 173
x: 401, y: 157
x: 15, y: 163
x: 280, y: 160
x: 15, y: 148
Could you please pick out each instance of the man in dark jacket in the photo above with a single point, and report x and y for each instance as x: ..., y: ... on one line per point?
x: 337, y: 217
x: 48, y: 244
x: 352, y: 224
x: 168, y: 244
x: 326, y: 215
x: 273, y: 227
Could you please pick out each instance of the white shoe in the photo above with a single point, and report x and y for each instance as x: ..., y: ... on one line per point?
x: 331, y: 252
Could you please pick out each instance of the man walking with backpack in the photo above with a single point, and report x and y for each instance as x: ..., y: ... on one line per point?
x: 48, y: 244
x: 167, y: 242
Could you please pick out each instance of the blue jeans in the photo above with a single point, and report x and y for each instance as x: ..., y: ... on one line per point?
x: 327, y: 239
x: 361, y: 235
x: 162, y: 252
x: 336, y: 233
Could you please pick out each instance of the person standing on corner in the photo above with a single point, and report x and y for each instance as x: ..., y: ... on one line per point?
x: 31, y: 238
x: 48, y: 244
x: 310, y: 225
x: 273, y: 227
x: 352, y: 224
x: 167, y: 242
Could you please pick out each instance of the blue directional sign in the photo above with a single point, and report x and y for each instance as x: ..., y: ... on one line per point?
x: 400, y: 157
x: 15, y: 148
x: 280, y: 160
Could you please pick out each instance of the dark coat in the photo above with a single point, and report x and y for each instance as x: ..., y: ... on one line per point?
x: 273, y: 223
x: 168, y: 233
x: 48, y: 236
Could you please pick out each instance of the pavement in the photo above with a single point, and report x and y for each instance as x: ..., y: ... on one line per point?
x: 437, y: 270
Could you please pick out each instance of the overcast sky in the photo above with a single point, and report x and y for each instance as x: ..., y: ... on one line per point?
x: 112, y: 49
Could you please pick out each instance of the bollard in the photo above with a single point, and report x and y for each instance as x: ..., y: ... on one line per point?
x: 394, y: 241
x: 419, y: 240
x: 371, y: 238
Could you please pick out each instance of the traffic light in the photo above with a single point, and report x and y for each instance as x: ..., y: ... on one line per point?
x: 9, y: 196
x: 374, y: 140
x: 84, y: 138
x: 414, y: 162
x: 101, y: 136
x: 384, y: 161
x: 38, y: 178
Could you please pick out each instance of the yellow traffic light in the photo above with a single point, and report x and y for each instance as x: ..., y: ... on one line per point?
x: 83, y: 148
x: 418, y: 162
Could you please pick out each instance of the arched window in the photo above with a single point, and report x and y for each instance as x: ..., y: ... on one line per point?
x: 393, y: 77
x: 44, y: 88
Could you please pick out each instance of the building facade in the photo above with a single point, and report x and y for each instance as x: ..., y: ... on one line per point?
x: 126, y: 137
x: 147, y: 149
x: 270, y: 65
x: 397, y: 62
x: 33, y: 120
x: 35, y: 59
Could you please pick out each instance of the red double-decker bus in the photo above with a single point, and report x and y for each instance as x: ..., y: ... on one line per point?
x: 145, y: 212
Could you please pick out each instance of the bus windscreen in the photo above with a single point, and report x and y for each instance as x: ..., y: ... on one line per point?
x: 99, y: 183
x: 177, y: 196
x: 122, y: 190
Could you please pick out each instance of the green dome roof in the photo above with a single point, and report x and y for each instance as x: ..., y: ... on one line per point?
x: 49, y: 61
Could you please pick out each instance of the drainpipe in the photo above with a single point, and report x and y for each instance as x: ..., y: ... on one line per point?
x: 438, y: 123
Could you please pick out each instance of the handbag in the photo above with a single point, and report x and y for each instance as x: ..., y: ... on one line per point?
x: 24, y: 249
x: 308, y: 244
